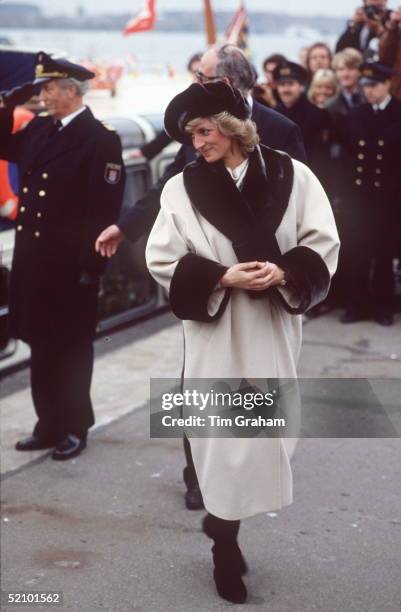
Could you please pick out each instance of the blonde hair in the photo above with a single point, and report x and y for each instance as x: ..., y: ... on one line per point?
x: 351, y: 58
x: 323, y: 76
x: 242, y: 130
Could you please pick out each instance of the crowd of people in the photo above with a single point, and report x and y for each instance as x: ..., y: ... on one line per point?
x: 348, y: 107
x: 242, y: 237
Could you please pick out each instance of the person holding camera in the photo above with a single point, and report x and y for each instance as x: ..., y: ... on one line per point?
x: 265, y: 92
x: 390, y: 49
x: 365, y: 27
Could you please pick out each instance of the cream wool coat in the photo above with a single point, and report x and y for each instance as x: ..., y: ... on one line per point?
x: 242, y: 477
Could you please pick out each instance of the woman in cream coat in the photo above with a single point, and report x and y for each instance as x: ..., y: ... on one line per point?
x: 244, y: 243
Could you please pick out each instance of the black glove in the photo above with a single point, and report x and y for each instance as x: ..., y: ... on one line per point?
x: 19, y: 95
x: 89, y: 279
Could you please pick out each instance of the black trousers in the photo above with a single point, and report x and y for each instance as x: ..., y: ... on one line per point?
x: 190, y: 476
x: 370, y: 284
x: 61, y: 375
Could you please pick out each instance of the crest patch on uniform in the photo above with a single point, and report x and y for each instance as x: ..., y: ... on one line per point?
x: 112, y: 173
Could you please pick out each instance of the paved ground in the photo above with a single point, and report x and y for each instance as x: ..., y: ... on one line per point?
x: 109, y: 529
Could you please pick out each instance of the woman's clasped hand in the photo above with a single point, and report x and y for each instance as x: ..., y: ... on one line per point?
x: 253, y: 275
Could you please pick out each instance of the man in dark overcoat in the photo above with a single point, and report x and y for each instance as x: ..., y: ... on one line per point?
x: 346, y: 64
x: 291, y: 79
x: 72, y: 179
x: 372, y: 178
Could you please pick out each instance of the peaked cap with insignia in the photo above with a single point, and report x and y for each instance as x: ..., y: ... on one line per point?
x: 374, y: 72
x: 290, y: 71
x: 48, y: 68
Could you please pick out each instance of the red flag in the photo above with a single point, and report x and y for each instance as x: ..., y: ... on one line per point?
x: 238, y: 26
x: 144, y: 20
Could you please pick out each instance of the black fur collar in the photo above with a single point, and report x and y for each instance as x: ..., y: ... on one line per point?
x: 249, y: 218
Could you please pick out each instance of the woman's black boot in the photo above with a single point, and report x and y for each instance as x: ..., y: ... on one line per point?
x: 229, y: 564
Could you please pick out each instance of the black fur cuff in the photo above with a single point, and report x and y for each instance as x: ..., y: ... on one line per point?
x: 192, y: 284
x: 308, y: 276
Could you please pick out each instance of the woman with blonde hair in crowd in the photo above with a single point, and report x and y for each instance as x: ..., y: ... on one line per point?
x: 323, y: 87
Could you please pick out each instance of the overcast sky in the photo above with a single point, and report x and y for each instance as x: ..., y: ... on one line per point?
x: 310, y: 7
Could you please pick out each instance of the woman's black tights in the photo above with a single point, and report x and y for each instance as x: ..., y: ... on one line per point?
x: 220, y: 529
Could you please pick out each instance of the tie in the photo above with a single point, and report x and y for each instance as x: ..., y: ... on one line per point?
x: 355, y: 99
x: 55, y: 128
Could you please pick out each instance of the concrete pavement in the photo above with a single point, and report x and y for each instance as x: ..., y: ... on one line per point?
x: 110, y: 530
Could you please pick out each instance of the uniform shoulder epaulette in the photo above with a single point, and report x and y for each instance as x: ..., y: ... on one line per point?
x: 108, y: 126
x: 43, y: 114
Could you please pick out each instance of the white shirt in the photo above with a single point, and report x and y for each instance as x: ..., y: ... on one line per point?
x: 249, y: 99
x: 66, y: 120
x: 239, y: 172
x: 364, y: 35
x: 348, y: 96
x: 383, y: 104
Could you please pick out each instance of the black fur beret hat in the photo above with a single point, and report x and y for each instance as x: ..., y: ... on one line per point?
x: 202, y: 101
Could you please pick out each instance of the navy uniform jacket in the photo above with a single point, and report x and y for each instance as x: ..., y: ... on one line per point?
x: 71, y: 188
x: 372, y: 170
x: 274, y: 130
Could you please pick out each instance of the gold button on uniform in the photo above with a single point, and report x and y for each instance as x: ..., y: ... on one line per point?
x: 359, y: 169
x: 19, y: 228
x: 358, y: 182
x: 361, y: 143
x: 37, y: 234
x: 361, y: 156
x: 45, y: 175
x: 380, y: 143
x: 25, y: 190
x: 379, y: 156
x: 378, y: 171
x: 39, y: 214
x: 377, y: 184
x: 42, y: 193
x: 22, y: 209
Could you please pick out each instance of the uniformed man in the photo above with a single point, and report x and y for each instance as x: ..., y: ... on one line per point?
x: 291, y: 79
x: 372, y: 166
x: 72, y: 185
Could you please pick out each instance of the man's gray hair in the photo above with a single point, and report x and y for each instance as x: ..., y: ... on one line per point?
x: 232, y: 63
x: 81, y: 86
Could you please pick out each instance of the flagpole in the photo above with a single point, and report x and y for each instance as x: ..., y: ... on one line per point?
x: 209, y: 23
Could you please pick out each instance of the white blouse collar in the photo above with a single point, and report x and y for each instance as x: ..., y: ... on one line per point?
x: 238, y: 173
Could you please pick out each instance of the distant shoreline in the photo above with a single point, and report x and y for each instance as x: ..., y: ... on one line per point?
x: 260, y: 22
